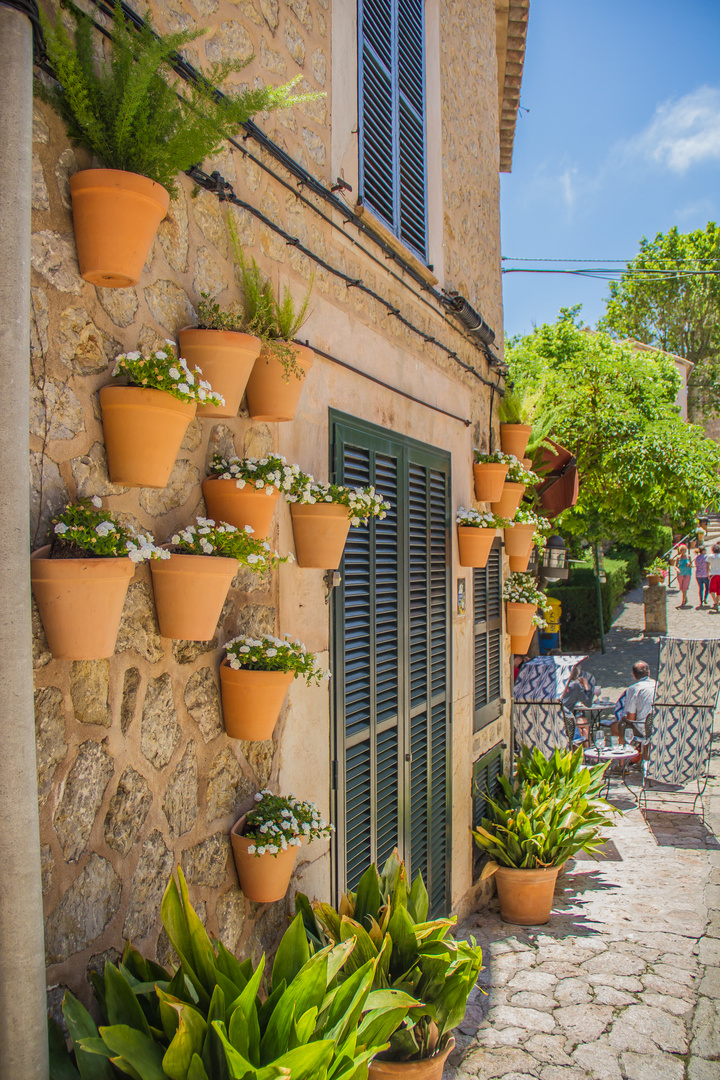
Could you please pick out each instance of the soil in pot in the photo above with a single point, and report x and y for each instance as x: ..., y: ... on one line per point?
x: 320, y: 531
x: 226, y: 359
x: 519, y: 618
x: 429, y: 1069
x: 143, y: 432
x: 263, y: 878
x: 526, y: 896
x: 474, y: 545
x: 225, y: 501
x: 270, y: 396
x: 514, y: 439
x: 252, y: 700
x: 508, y: 503
x: 115, y: 217
x: 489, y: 481
x: 80, y: 603
x: 190, y: 591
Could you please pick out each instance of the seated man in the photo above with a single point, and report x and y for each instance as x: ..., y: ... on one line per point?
x: 634, y: 707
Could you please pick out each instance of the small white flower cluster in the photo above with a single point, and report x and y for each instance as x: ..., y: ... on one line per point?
x: 518, y: 474
x: 208, y: 538
x: 269, y: 473
x: 164, y: 370
x: 95, y: 531
x: 521, y: 589
x: 478, y: 520
x: 270, y: 653
x: 495, y: 458
x: 529, y: 517
x: 279, y: 822
x: 363, y: 503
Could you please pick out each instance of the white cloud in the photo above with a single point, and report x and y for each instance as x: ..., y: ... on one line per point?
x: 567, y: 186
x: 684, y: 132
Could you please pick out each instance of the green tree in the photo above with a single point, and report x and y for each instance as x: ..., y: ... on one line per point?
x: 675, y: 312
x: 640, y: 464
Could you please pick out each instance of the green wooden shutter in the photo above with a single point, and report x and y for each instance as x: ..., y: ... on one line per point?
x: 487, y: 616
x: 486, y: 774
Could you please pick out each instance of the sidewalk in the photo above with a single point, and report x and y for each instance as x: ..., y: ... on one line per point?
x: 624, y: 981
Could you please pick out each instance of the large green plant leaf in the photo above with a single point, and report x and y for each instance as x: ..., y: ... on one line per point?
x: 82, y: 1026
x: 292, y: 954
x: 187, y: 1042
x: 61, y: 1066
x: 368, y: 899
x: 121, y: 1003
x: 308, y: 1062
x: 140, y: 1051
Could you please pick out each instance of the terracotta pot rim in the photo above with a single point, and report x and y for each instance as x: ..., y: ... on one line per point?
x: 478, y: 528
x: 320, y: 508
x: 167, y: 402
x: 400, y: 1065
x: 41, y: 553
x: 219, y: 564
x: 240, y: 822
x: 520, y: 427
x: 247, y: 490
x: 223, y: 333
x: 225, y: 665
x: 538, y: 871
x: 82, y: 180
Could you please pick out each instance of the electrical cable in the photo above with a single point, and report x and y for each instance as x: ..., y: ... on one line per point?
x: 30, y: 8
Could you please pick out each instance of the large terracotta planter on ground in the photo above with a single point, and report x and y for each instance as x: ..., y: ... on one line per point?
x: 143, y: 432
x: 519, y: 644
x: 190, y: 591
x: 526, y: 896
x: 80, y: 603
x: 518, y: 545
x: 518, y: 618
x: 474, y: 545
x: 508, y: 503
x: 115, y: 217
x: 514, y: 439
x: 252, y: 700
x: 226, y: 359
x: 225, y: 501
x: 263, y: 878
x: 270, y: 396
x: 320, y: 531
x: 489, y: 481
x: 429, y: 1069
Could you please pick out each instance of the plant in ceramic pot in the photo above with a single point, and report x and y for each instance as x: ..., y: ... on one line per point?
x: 265, y: 843
x: 516, y: 480
x: 245, y: 491
x: 522, y: 599
x: 476, y: 532
x: 81, y: 578
x: 191, y: 587
x: 657, y: 571
x: 254, y: 680
x: 516, y: 415
x: 125, y: 112
x: 412, y: 954
x: 552, y: 810
x: 322, y: 515
x: 489, y: 472
x: 145, y: 420
x: 520, y: 536
x: 223, y: 348
x: 216, y: 1017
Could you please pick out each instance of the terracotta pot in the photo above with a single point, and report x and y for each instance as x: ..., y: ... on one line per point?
x: 519, y: 545
x: 263, y: 878
x: 320, y: 531
x: 508, y: 503
x: 115, y: 218
x: 554, y: 456
x: 226, y: 359
x: 526, y: 896
x: 489, y: 481
x: 655, y: 579
x: 514, y: 439
x: 474, y: 545
x: 518, y: 618
x: 143, y: 432
x: 527, y: 462
x: 80, y: 603
x: 225, y: 501
x: 429, y: 1069
x: 519, y: 644
x: 559, y: 493
x: 270, y: 396
x: 190, y: 591
x: 252, y: 700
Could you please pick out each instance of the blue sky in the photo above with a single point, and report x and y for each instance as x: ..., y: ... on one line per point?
x: 622, y: 140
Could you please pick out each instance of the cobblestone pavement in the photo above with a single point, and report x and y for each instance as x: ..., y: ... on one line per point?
x: 624, y: 981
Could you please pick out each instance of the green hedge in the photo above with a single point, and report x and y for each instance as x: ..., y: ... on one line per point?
x: 579, y: 618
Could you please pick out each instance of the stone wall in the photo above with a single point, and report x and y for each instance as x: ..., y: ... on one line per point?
x: 135, y: 773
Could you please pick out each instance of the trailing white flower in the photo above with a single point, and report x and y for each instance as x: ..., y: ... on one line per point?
x: 521, y: 589
x: 529, y: 517
x: 271, y: 473
x: 208, y: 538
x: 274, y: 654
x: 289, y: 820
x: 362, y: 503
x: 497, y: 457
x: 518, y: 474
x: 98, y: 533
x: 165, y: 370
x: 479, y: 519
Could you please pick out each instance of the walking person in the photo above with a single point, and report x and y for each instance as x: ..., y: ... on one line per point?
x: 702, y: 576
x: 683, y: 564
x: 713, y: 561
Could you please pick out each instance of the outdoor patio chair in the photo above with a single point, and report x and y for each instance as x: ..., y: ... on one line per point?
x: 686, y: 696
x: 538, y: 718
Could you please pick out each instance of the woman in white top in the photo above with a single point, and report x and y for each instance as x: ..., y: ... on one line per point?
x: 713, y: 562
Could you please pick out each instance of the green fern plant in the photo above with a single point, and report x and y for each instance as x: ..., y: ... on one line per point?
x: 126, y: 113
x: 275, y: 321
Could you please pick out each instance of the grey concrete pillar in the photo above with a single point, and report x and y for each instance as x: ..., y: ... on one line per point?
x: 23, y: 1023
x: 655, y: 602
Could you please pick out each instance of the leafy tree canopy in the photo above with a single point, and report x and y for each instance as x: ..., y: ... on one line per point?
x: 640, y: 464
x: 680, y: 314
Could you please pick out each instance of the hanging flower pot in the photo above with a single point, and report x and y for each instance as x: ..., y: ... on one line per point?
x: 490, y: 471
x: 245, y: 491
x: 254, y: 680
x: 519, y: 644
x: 508, y: 503
x: 519, y: 544
x: 115, y: 217
x: 518, y: 618
x: 225, y: 359
x: 273, y: 391
x: 514, y: 439
x: 476, y: 533
x: 558, y: 493
x: 522, y: 599
x: 527, y: 463
x: 263, y: 878
x: 526, y: 896
x: 322, y: 515
x: 427, y: 1069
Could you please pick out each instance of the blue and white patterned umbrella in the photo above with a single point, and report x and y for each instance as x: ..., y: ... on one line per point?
x: 544, y: 678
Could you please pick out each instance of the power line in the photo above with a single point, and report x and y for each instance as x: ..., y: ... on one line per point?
x: 624, y: 262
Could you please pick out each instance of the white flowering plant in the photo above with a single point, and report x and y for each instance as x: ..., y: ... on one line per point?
x: 282, y: 821
x: 363, y: 503
x: 521, y: 589
x: 539, y: 620
x: 165, y: 370
x: 267, y: 473
x: 480, y: 519
x: 270, y: 653
x: 208, y: 538
x: 518, y: 474
x: 497, y: 457
x: 84, y: 529
x: 525, y: 516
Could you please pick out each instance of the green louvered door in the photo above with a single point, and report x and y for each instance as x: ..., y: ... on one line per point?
x: 391, y: 662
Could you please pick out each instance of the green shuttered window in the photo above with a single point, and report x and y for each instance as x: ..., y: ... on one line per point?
x: 487, y: 615
x: 487, y: 771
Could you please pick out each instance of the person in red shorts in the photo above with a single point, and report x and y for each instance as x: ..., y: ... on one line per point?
x: 713, y: 562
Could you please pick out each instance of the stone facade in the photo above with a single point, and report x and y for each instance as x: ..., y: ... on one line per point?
x: 135, y: 773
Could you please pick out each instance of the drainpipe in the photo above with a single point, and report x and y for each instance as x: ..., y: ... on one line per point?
x: 23, y: 1020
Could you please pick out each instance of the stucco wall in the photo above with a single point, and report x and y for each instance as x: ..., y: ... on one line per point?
x: 135, y: 772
